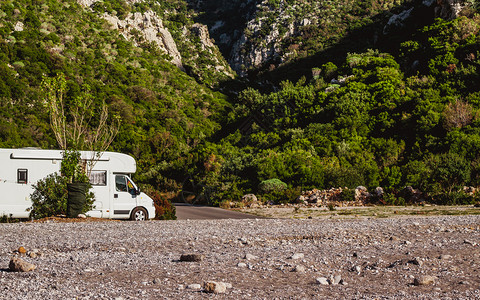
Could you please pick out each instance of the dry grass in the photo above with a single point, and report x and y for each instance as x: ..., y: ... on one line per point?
x: 297, y: 212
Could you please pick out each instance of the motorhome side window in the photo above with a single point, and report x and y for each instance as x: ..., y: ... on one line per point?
x: 121, y: 183
x: 124, y: 184
x: 22, y: 176
x: 98, y: 178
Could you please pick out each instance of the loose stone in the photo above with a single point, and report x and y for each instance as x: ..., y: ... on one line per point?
x: 299, y: 268
x: 424, y: 280
x: 194, y: 286
x: 297, y: 256
x: 215, y: 287
x: 19, y: 265
x: 322, y: 280
x: 191, y: 257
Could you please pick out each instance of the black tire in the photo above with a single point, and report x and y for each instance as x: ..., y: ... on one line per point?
x: 139, y: 214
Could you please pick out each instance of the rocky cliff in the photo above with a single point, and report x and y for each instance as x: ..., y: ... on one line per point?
x: 267, y: 34
x: 263, y: 34
x: 191, y: 39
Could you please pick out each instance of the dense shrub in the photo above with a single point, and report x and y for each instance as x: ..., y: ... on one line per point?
x: 164, y: 209
x: 49, y: 197
x: 279, y: 196
x: 271, y: 186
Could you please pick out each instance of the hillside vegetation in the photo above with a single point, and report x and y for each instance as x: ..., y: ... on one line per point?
x: 337, y: 97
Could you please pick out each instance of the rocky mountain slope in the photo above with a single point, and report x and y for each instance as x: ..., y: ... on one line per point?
x: 330, y: 94
x: 267, y: 34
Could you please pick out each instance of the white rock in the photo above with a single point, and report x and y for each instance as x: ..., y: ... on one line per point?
x: 19, y: 26
x: 194, y: 286
x: 299, y: 268
x: 297, y: 256
x: 322, y: 280
x: 215, y: 287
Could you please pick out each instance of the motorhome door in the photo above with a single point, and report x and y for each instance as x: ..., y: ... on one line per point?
x: 124, y: 196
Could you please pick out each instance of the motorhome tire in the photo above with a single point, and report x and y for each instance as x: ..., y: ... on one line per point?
x: 139, y: 214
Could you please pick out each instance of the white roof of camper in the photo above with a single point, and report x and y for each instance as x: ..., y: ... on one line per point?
x: 114, y: 161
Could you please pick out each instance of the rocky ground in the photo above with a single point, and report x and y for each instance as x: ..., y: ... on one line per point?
x: 362, y: 258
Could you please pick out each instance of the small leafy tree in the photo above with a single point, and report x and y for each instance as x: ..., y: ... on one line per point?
x: 73, y: 132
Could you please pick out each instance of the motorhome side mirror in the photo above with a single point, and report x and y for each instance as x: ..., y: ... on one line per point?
x: 138, y: 191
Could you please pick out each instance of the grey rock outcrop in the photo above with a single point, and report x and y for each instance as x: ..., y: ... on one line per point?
x: 449, y: 9
x: 148, y: 24
x: 397, y: 21
x: 151, y: 27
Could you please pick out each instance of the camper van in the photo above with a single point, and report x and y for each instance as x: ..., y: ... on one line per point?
x: 116, y: 195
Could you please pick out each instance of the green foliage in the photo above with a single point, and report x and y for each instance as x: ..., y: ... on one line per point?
x: 348, y: 194
x: 49, y: 197
x: 389, y: 119
x: 71, y: 167
x: 281, y: 196
x: 271, y: 185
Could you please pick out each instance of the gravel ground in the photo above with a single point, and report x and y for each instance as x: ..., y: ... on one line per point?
x: 260, y: 258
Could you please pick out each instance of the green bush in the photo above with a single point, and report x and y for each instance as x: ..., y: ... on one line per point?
x: 348, y: 195
x: 281, y: 196
x: 455, y: 198
x: 49, y: 197
x: 271, y: 185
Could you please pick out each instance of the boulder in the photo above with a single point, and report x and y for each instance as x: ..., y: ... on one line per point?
x: 411, y: 195
x: 191, y: 257
x: 249, y: 199
x: 19, y: 265
x: 361, y: 194
x: 215, y: 287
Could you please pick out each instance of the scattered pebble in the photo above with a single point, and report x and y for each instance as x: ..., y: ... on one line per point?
x: 194, y: 286
x: 322, y: 281
x: 297, y: 256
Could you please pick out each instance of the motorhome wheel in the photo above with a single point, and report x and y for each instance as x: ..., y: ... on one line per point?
x: 139, y: 214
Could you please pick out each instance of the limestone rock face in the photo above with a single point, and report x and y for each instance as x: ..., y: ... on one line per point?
x: 202, y: 33
x: 148, y: 24
x: 86, y: 3
x: 449, y: 9
x: 151, y: 27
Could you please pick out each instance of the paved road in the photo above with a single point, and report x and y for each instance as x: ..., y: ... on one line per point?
x: 200, y: 212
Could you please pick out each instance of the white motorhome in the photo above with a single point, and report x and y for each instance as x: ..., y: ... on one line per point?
x: 116, y: 195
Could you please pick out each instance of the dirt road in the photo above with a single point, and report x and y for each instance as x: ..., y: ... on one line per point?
x: 200, y: 212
